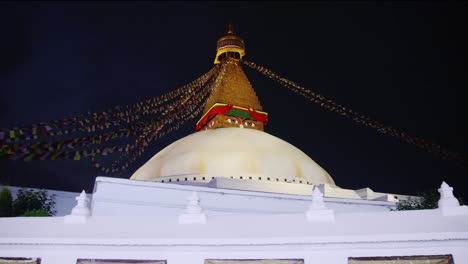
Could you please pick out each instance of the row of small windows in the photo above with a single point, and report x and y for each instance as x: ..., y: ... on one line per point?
x: 430, y: 259
x: 136, y: 261
x: 187, y: 179
x: 232, y: 177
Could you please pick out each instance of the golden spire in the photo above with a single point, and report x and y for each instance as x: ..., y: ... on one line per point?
x: 233, y: 92
x: 234, y: 88
x: 230, y: 30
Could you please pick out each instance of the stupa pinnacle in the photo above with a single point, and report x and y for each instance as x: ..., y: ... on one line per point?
x: 233, y: 101
x: 232, y: 152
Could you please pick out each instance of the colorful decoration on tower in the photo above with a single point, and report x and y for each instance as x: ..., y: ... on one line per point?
x: 226, y: 115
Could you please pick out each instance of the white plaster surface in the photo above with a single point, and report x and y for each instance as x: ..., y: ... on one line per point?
x: 153, y: 198
x: 224, y: 152
x: 143, y: 224
x: 241, y: 236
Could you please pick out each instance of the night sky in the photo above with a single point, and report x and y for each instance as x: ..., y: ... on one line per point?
x: 404, y: 64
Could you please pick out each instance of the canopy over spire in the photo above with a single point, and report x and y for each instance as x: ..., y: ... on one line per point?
x: 229, y: 46
x: 233, y: 101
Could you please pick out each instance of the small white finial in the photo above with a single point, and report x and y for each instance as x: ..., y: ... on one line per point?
x: 193, y: 213
x: 318, y: 211
x: 81, y: 207
x: 81, y: 211
x: 444, y: 185
x: 446, y: 196
x: 193, y: 206
x: 317, y: 200
x: 448, y: 204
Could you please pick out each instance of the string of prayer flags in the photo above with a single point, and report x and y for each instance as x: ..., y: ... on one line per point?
x: 362, y: 119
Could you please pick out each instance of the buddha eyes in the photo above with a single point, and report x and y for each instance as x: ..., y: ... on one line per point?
x: 249, y: 124
x: 232, y: 121
x: 236, y: 121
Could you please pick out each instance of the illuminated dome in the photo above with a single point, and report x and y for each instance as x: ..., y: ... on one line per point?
x: 226, y: 152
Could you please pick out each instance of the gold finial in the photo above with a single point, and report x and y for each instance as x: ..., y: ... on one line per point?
x: 230, y: 29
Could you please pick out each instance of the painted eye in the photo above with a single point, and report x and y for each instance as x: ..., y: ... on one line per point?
x: 249, y: 124
x: 232, y: 121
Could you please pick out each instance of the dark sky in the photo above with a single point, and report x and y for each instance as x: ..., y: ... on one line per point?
x: 404, y: 64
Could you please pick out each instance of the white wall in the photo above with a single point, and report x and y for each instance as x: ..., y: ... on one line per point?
x: 138, y: 220
x: 129, y: 197
x: 329, y: 254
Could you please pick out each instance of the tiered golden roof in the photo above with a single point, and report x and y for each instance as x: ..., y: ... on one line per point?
x: 234, y: 88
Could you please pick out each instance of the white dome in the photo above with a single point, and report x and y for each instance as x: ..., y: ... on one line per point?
x: 226, y: 152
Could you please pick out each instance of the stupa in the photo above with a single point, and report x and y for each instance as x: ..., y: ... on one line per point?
x: 231, y: 142
x: 231, y: 193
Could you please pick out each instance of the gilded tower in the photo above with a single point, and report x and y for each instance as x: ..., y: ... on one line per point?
x: 233, y: 101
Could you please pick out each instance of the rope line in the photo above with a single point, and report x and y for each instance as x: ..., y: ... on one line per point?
x: 362, y: 119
